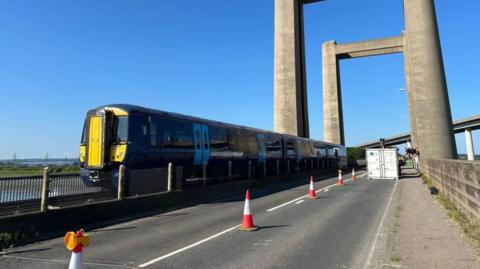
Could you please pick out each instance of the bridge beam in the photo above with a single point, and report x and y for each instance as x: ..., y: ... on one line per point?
x: 469, y: 144
x: 332, y: 53
x: 290, y: 86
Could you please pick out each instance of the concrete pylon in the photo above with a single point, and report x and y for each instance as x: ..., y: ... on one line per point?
x: 469, y: 145
x: 290, y: 89
x: 431, y: 107
x: 408, y: 83
x: 332, y: 96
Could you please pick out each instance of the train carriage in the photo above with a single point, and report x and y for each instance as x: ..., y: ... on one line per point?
x: 142, y: 138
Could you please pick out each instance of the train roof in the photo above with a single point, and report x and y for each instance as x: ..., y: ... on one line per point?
x: 134, y: 108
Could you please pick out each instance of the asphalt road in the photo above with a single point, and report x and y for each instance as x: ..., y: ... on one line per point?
x: 341, y: 229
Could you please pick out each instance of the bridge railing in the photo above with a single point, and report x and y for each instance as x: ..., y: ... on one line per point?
x: 459, y: 180
x: 23, y: 194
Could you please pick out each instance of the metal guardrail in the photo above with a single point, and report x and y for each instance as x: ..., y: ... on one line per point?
x: 24, y: 194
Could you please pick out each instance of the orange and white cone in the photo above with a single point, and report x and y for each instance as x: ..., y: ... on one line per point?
x: 353, y: 175
x: 75, y: 242
x: 311, y: 191
x: 247, y: 223
x: 340, y: 178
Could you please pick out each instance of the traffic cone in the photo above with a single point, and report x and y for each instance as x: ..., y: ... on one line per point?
x: 353, y: 175
x: 340, y: 178
x: 75, y: 242
x: 311, y: 191
x: 247, y: 223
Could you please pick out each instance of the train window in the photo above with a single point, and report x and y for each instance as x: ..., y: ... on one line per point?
x: 290, y: 147
x: 252, y: 145
x: 218, y: 140
x: 273, y: 144
x: 177, y: 135
x: 122, y: 129
x: 153, y: 134
x: 205, y: 139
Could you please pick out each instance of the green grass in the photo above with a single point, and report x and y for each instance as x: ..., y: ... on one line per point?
x: 469, y: 227
x: 9, y: 239
x: 16, y: 171
x: 395, y: 258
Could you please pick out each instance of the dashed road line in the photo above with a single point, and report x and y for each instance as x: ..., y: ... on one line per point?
x: 303, y: 196
x: 299, y: 202
x: 188, y: 247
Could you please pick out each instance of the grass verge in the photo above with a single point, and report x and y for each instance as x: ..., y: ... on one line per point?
x: 469, y: 227
x: 8, y: 240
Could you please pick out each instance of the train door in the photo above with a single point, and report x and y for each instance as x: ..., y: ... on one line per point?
x: 261, y: 147
x: 202, y: 144
x: 99, y: 132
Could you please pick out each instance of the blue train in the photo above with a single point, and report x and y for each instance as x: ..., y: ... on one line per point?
x: 142, y: 138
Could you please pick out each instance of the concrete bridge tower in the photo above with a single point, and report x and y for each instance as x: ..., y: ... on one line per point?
x: 430, y: 102
x: 290, y: 86
x: 429, y: 107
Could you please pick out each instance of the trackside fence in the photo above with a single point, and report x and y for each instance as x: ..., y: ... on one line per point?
x: 459, y: 180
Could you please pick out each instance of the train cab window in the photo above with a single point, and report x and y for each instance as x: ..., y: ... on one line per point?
x: 122, y: 129
x: 84, y: 134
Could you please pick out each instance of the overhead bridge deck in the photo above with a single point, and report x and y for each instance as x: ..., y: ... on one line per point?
x: 459, y: 126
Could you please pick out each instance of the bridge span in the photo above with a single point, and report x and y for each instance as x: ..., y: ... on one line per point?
x: 466, y: 125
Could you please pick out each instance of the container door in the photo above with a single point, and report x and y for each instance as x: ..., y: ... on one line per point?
x: 261, y: 147
x: 198, y: 141
x: 391, y: 166
x: 374, y: 164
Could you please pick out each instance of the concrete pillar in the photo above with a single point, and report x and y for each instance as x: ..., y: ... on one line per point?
x: 290, y: 89
x: 408, y: 83
x: 433, y: 119
x: 332, y: 97
x: 469, y: 141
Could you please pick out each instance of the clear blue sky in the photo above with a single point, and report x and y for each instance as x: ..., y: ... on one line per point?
x: 212, y: 59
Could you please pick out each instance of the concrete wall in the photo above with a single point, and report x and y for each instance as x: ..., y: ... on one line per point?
x: 459, y: 180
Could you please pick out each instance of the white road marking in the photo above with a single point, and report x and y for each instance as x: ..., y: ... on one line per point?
x: 372, y: 248
x: 188, y: 247
x: 326, y: 190
x: 226, y: 231
x: 303, y: 196
x: 299, y: 202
